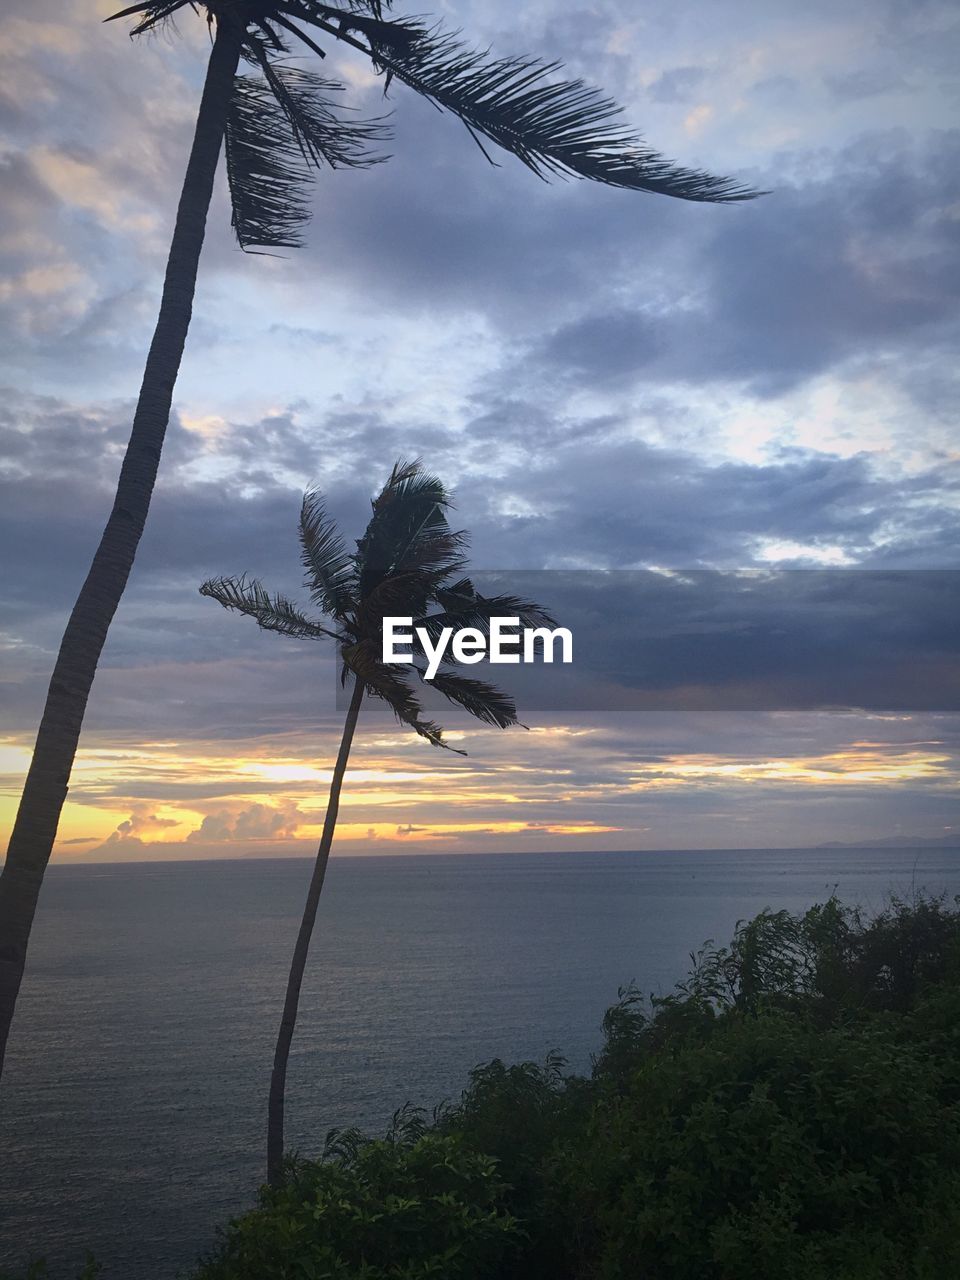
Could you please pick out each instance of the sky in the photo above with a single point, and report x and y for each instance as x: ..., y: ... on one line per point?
x: 608, y: 381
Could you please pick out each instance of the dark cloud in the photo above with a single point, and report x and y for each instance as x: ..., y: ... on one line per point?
x: 604, y: 348
x: 788, y: 640
x: 801, y: 283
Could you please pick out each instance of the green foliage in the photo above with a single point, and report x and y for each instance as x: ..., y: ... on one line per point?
x: 413, y: 1206
x: 791, y: 1111
x: 829, y: 964
x: 774, y: 1148
x: 523, y: 1115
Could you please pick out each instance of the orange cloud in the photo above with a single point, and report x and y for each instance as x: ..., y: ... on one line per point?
x: 853, y: 766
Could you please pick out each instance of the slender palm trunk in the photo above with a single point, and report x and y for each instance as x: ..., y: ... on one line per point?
x: 47, y: 781
x: 291, y: 1001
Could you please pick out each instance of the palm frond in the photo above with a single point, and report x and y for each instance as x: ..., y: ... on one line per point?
x: 351, y: 13
x: 404, y: 594
x: 554, y: 128
x: 362, y: 16
x: 155, y: 13
x: 280, y: 127
x: 275, y: 41
x: 329, y: 566
x: 392, y: 688
x: 484, y: 701
x: 272, y: 613
x: 265, y: 169
x: 409, y: 482
x: 322, y: 136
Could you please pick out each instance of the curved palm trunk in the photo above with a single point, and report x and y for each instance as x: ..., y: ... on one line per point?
x: 46, y: 786
x: 288, y: 1022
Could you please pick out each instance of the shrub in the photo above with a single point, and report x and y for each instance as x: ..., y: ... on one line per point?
x: 414, y: 1206
x: 778, y: 1150
x: 525, y: 1116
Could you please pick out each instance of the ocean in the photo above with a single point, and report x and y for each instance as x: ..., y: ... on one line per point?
x: 132, y: 1111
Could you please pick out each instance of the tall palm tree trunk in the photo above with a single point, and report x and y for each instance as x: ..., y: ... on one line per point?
x: 288, y: 1022
x: 47, y: 781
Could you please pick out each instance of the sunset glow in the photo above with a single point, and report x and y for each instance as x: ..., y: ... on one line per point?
x: 194, y: 800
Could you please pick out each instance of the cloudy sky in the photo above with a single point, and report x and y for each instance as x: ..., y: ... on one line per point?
x: 608, y: 380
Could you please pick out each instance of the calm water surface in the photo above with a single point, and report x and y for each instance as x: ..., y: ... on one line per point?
x: 132, y: 1116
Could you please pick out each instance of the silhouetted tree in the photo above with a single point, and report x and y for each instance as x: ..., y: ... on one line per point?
x: 409, y: 563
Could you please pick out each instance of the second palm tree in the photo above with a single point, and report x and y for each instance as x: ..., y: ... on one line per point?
x: 408, y: 563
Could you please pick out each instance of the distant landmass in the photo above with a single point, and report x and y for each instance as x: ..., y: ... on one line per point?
x: 950, y: 841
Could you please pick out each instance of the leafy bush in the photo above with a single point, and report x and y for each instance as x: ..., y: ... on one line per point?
x: 791, y: 1111
x: 828, y: 964
x: 522, y: 1115
x: 778, y: 1150
x: 414, y: 1206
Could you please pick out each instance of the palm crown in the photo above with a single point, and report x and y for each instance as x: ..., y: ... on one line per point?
x: 409, y: 563
x: 283, y: 125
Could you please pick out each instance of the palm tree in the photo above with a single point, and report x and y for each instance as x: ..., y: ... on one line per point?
x: 279, y: 126
x: 409, y: 563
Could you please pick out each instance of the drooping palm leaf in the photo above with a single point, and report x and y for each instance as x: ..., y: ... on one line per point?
x: 563, y: 127
x: 271, y: 612
x: 554, y: 127
x: 280, y: 127
x: 386, y: 683
x: 484, y: 701
x: 322, y: 136
x: 265, y: 170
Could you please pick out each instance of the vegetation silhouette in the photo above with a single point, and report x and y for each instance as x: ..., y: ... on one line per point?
x: 791, y: 1111
x: 409, y: 563
x: 279, y: 126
